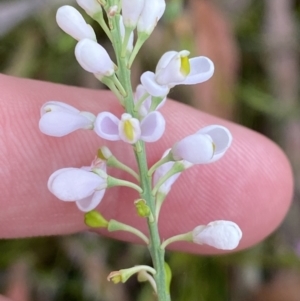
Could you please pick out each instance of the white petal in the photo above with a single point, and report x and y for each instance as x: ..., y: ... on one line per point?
x: 152, y: 87
x: 129, y: 129
x: 165, y: 59
x: 171, y: 73
x: 106, y: 126
x: 73, y: 184
x: 196, y: 149
x: 153, y: 127
x: 221, y: 138
x: 61, y: 123
x: 53, y: 105
x: 91, y: 7
x: 71, y: 21
x: 151, y: 13
x: 131, y: 10
x: 91, y: 202
x: 93, y: 58
x: 202, y: 69
x: 224, y: 235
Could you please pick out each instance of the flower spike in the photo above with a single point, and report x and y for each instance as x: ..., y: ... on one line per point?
x: 71, y: 21
x: 59, y: 119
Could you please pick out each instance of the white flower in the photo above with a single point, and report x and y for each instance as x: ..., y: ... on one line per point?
x: 91, y: 7
x: 82, y: 186
x: 150, y: 15
x: 129, y: 129
x: 71, y: 21
x: 206, y: 146
x: 131, y: 11
x: 59, y: 119
x: 144, y: 109
x: 93, y: 58
x: 224, y: 235
x: 176, y: 68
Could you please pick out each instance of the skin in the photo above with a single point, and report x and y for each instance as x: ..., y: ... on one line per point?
x: 251, y: 185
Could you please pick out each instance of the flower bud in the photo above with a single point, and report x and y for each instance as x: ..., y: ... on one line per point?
x: 93, y: 58
x: 71, y: 21
x: 131, y: 10
x: 224, y: 235
x: 91, y: 7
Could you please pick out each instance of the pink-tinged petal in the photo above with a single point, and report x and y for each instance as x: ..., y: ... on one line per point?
x: 202, y: 69
x: 153, y: 127
x: 71, y: 21
x: 224, y: 235
x: 196, y: 149
x: 106, y: 126
x: 93, y: 58
x: 151, y: 86
x: 129, y: 129
x: 221, y: 138
x: 53, y: 105
x: 61, y: 123
x: 165, y: 59
x: 73, y: 184
x: 91, y: 202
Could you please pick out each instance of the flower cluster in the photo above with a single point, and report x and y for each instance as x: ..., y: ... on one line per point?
x: 141, y: 122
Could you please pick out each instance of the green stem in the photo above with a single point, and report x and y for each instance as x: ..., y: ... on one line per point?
x: 112, y: 182
x: 162, y: 161
x: 181, y: 237
x: 110, y: 84
x: 114, y: 225
x: 99, y: 18
x: 140, y: 102
x: 142, y: 37
x: 114, y: 162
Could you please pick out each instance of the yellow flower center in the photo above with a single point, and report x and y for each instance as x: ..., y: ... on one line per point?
x: 185, y: 67
x: 128, y: 130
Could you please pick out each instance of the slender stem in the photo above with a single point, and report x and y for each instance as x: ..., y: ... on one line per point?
x: 177, y: 167
x: 160, y: 197
x: 128, y: 32
x: 99, y: 18
x: 110, y: 84
x: 114, y: 162
x: 159, y: 163
x: 114, y: 225
x: 139, y: 43
x: 181, y: 237
x: 112, y: 182
x: 119, y: 85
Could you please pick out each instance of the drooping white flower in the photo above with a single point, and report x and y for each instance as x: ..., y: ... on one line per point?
x: 91, y: 7
x: 129, y: 129
x: 59, y: 119
x: 151, y: 13
x: 93, y: 58
x: 206, y: 146
x: 131, y: 11
x: 175, y: 68
x: 144, y: 109
x: 224, y: 235
x: 82, y: 186
x: 71, y: 21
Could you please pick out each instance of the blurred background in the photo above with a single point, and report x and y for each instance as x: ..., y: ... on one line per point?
x: 255, y: 47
